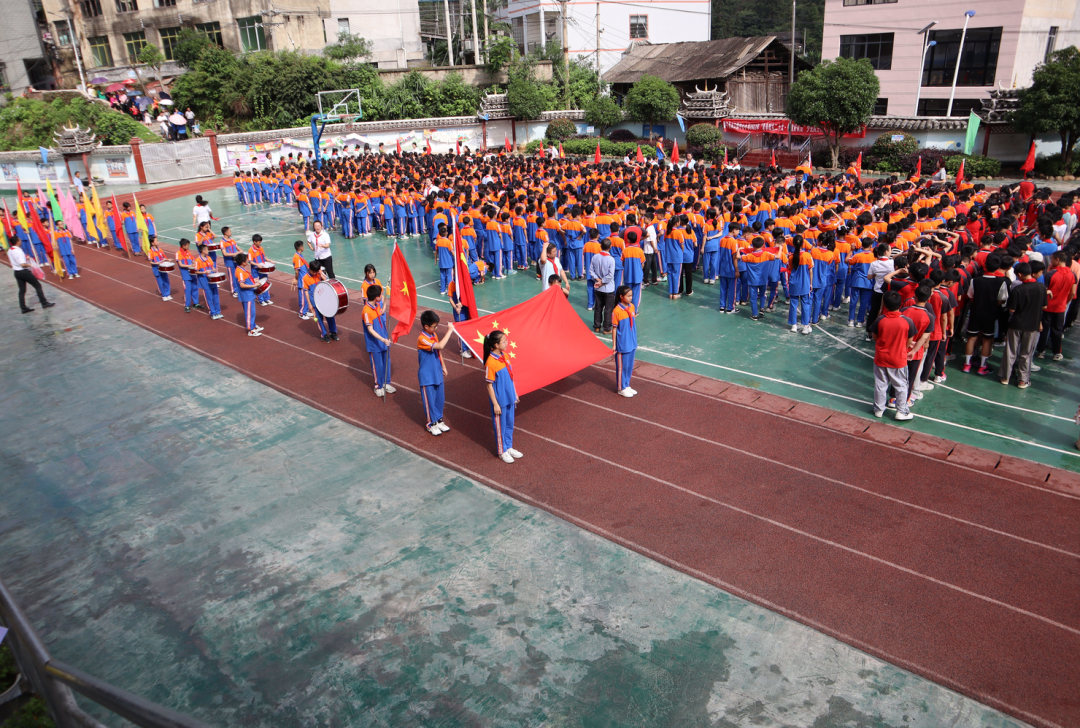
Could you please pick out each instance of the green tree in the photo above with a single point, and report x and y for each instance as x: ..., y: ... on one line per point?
x: 602, y: 112
x: 651, y: 100
x: 1052, y: 102
x: 524, y: 95
x: 451, y: 97
x: 189, y: 46
x: 348, y: 47
x: 29, y: 123
x: 153, y: 57
x: 746, y: 18
x: 585, y: 84
x: 498, y: 53
x: 837, y: 97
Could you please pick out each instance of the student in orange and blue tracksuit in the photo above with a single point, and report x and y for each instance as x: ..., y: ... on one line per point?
x: 204, y: 265
x: 377, y: 340
x: 590, y: 249
x: 256, y: 254
x: 624, y: 339
x: 327, y: 324
x: 444, y: 248
x: 370, y: 280
x: 506, y: 241
x: 521, y: 253
x: 432, y: 371
x: 229, y: 251
x: 800, y: 275
x: 131, y: 228
x: 727, y: 268
x: 303, y: 205
x: 64, y: 248
x: 862, y: 286
x: 300, y: 269
x: 574, y: 233
x: 185, y: 261
x: 247, y: 284
x: 821, y: 281
x: 157, y: 255
x: 499, y: 375
x: 757, y: 264
x: 633, y: 259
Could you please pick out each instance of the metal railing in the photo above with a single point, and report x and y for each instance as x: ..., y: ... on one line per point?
x: 53, y: 681
x: 744, y: 146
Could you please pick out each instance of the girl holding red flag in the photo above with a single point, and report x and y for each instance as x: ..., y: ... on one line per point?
x: 500, y: 388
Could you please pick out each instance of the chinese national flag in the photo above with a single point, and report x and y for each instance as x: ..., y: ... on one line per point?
x: 121, y: 235
x: 639, y: 157
x: 457, y: 147
x: 1029, y: 163
x: 402, y: 295
x: 597, y: 159
x: 772, y: 160
x: 675, y: 153
x: 918, y: 170
x: 540, y: 151
x: 561, y: 152
x: 960, y: 175
x: 462, y: 277
x: 547, y: 339
x: 429, y: 145
x: 506, y: 143
x: 858, y: 167
x: 399, y: 146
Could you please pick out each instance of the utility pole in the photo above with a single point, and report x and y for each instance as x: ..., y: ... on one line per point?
x: 791, y: 69
x: 565, y: 57
x: 75, y: 47
x: 485, y: 10
x: 477, y: 54
x: 598, y: 45
x: 449, y: 34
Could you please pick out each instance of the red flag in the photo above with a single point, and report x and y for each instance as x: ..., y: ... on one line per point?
x: 960, y: 175
x: 675, y: 153
x: 43, y: 235
x: 918, y: 169
x: 547, y: 340
x: 561, y: 152
x: 429, y: 145
x: 772, y: 161
x: 1029, y: 163
x: 462, y: 277
x: 596, y: 160
x: 858, y: 167
x: 402, y: 295
x: 639, y: 158
x: 457, y: 147
x: 118, y: 221
x: 506, y: 143
x: 9, y: 224
x: 540, y: 153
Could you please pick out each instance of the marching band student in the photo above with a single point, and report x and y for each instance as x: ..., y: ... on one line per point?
x: 247, y: 284
x: 499, y: 376
x: 300, y: 269
x: 432, y: 370
x: 256, y: 254
x: 67, y: 252
x: 204, y: 265
x: 369, y: 280
x: 156, y: 256
x: 205, y: 236
x: 327, y: 324
x: 377, y: 340
x: 185, y: 261
x: 461, y: 313
x: 229, y: 250
x: 624, y: 339
x: 445, y: 249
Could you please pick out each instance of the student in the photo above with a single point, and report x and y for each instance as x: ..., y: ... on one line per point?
x: 800, y: 274
x: 151, y: 228
x: 987, y: 294
x: 1026, y: 303
x: 860, y: 284
x: 432, y: 370
x: 300, y: 269
x: 553, y: 280
x: 499, y: 376
x: 65, y: 249
x: 131, y: 228
x: 461, y: 313
x: 925, y: 324
x: 156, y: 256
x: 205, y: 236
x: 369, y: 280
x: 377, y: 340
x: 633, y: 260
x: 624, y: 339
x: 893, y: 338
x: 256, y: 254
x: 602, y: 274
x: 328, y: 324
x: 1060, y: 290
x: 247, y: 284
x: 204, y: 265
x: 589, y: 251
x: 110, y: 220
x: 229, y: 251
x: 550, y: 265
x: 444, y: 248
x: 758, y: 264
x: 727, y: 269
x: 185, y: 261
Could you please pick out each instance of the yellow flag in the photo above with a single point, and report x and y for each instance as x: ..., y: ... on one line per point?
x: 99, y: 218
x: 140, y: 222
x: 57, y: 268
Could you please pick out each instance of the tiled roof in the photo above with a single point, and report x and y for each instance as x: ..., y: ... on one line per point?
x: 903, y: 123
x: 688, y: 61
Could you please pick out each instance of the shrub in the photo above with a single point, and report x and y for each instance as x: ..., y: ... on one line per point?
x: 714, y: 151
x: 975, y: 165
x: 561, y: 129
x: 930, y: 157
x: 1052, y: 165
x: 586, y: 147
x: 622, y: 135
x: 890, y: 153
x: 701, y: 135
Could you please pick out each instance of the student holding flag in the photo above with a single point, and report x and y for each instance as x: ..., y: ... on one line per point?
x: 62, y: 237
x: 431, y: 371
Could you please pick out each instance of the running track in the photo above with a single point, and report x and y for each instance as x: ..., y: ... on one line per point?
x: 966, y: 577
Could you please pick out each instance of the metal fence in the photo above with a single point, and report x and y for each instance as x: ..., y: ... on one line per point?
x: 53, y: 681
x: 170, y: 161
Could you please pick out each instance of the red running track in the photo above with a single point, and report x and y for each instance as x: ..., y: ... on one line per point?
x: 968, y: 578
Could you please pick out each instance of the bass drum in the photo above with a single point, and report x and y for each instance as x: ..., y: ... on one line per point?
x: 216, y: 276
x: 166, y: 266
x: 331, y: 298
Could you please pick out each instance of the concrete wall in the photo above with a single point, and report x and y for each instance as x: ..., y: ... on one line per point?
x: 110, y: 165
x: 18, y: 41
x: 392, y: 26
x: 471, y: 75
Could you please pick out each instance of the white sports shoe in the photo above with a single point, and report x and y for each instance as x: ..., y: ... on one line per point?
x: 166, y: 298
x: 515, y: 454
x: 626, y: 392
x: 254, y: 332
x: 443, y: 427
x: 258, y: 328
x: 794, y: 329
x: 806, y: 329
x: 632, y: 390
x: 390, y: 388
x: 925, y: 386
x: 506, y: 457
x: 466, y: 355
x: 434, y: 429
x: 379, y: 392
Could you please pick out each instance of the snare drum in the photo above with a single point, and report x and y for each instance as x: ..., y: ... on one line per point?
x: 216, y: 276
x: 264, y: 269
x: 213, y: 247
x: 167, y: 265
x: 263, y: 287
x: 331, y: 298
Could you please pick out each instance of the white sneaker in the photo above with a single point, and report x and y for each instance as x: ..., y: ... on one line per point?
x: 443, y: 426
x: 851, y: 324
x: 925, y: 386
x: 258, y: 328
x: 1036, y: 368
x: 879, y: 413
x: 515, y: 454
x: 794, y: 329
x: 806, y: 329
x: 632, y: 390
x: 903, y: 416
x: 217, y: 316
x: 379, y: 392
x: 917, y: 395
x: 166, y: 298
x: 466, y: 355
x: 626, y: 392
x: 254, y: 332
x: 845, y: 299
x: 390, y: 388
x: 506, y: 457
x: 434, y: 430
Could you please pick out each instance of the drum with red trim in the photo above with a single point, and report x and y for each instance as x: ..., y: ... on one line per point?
x: 264, y: 269
x: 263, y: 287
x: 213, y: 247
x: 167, y: 265
x: 216, y: 276
x: 331, y: 298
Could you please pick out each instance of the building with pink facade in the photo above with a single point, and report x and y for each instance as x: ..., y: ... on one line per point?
x: 914, y: 45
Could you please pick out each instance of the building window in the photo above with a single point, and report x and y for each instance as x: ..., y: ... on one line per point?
x: 850, y: 3
x: 127, y: 6
x: 639, y: 27
x: 63, y: 33
x: 877, y: 48
x: 3, y: 78
x: 251, y: 34
x: 212, y: 31
x: 1051, y: 41
x: 90, y: 8
x: 938, y: 107
x: 169, y: 38
x: 978, y: 64
x: 100, y: 50
x: 881, y: 107
x: 343, y: 26
x: 133, y: 43
x: 164, y: 3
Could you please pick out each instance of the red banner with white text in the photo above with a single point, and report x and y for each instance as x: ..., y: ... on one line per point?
x: 779, y: 126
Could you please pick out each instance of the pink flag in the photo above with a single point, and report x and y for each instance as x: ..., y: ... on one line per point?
x: 71, y: 214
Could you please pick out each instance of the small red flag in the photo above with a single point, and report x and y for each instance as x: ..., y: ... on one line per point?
x: 429, y: 145
x: 119, y: 223
x: 547, y: 340
x: 1029, y: 163
x: 960, y: 174
x: 457, y: 147
x: 561, y: 152
x: 675, y: 153
x: 858, y: 167
x: 9, y: 224
x: 462, y: 277
x: 506, y: 143
x: 639, y: 158
x: 596, y: 160
x: 918, y: 169
x: 725, y: 157
x: 402, y: 295
x: 772, y: 161
x: 540, y: 153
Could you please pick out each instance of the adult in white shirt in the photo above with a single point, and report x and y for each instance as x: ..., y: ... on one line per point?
x: 201, y: 212
x: 24, y: 276
x: 549, y: 266
x: 652, y: 265
x: 319, y: 241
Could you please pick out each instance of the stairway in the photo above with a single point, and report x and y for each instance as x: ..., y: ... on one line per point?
x: 785, y: 160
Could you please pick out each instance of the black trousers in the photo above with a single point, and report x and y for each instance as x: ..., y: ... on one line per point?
x: 602, y: 310
x: 652, y: 268
x: 1053, y: 328
x: 686, y: 282
x: 875, y: 307
x: 328, y: 266
x: 25, y: 277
